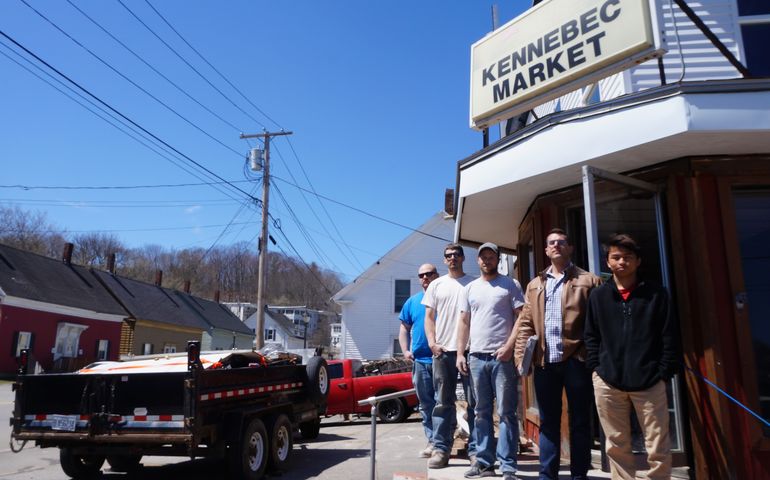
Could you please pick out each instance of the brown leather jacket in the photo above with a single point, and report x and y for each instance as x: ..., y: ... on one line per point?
x: 574, y: 300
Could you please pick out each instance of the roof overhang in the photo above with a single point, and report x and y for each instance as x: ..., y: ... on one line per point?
x: 497, y: 185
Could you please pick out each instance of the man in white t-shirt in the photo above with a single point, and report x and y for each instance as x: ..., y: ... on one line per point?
x: 442, y: 312
x: 490, y: 306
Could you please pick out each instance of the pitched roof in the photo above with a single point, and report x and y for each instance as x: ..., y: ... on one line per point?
x: 214, y: 313
x: 35, y: 277
x: 146, y: 301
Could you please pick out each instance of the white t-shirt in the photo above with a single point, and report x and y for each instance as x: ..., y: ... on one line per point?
x: 491, y: 304
x: 444, y: 295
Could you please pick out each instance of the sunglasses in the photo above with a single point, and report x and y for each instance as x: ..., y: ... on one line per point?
x: 560, y: 242
x: 426, y: 274
x: 453, y: 254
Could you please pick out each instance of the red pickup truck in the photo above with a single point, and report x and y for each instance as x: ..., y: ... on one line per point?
x: 349, y: 383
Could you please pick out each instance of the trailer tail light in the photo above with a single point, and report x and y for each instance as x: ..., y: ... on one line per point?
x: 193, y: 354
x: 23, y: 361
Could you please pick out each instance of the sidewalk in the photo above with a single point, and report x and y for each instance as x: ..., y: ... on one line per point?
x: 528, y: 468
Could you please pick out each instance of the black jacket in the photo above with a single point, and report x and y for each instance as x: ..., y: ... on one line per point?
x: 635, y: 343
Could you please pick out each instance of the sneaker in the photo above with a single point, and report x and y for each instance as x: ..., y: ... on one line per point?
x: 478, y: 470
x: 426, y: 452
x: 438, y: 459
x: 510, y: 476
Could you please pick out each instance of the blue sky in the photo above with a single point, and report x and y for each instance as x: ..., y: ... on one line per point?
x: 376, y: 94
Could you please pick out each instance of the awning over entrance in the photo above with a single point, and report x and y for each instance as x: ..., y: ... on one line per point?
x: 497, y: 186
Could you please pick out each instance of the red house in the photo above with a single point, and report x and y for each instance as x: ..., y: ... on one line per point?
x: 58, y: 310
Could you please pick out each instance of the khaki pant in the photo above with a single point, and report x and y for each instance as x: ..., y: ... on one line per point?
x: 614, y: 407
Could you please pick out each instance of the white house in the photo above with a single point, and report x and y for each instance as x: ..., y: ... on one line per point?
x: 279, y: 329
x: 372, y: 302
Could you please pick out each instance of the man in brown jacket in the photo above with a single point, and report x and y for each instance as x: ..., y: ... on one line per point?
x: 555, y: 311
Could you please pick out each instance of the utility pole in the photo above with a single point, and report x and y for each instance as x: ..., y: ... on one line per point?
x: 262, y: 280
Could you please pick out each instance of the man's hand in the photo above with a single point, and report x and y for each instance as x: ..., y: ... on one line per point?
x: 504, y: 353
x: 408, y: 355
x: 462, y: 365
x: 437, y: 349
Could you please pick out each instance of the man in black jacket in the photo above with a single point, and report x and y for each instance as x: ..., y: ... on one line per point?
x: 633, y: 348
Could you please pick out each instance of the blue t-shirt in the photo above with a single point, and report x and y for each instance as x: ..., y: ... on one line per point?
x: 413, y: 313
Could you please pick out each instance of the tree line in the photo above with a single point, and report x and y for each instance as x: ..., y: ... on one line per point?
x: 230, y: 269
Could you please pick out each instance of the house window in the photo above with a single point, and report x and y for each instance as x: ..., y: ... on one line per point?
x: 397, y: 352
x: 102, y: 349
x: 401, y: 291
x: 147, y: 349
x: 270, y: 334
x: 22, y: 340
x: 169, y: 348
x: 754, y: 20
x: 68, y: 340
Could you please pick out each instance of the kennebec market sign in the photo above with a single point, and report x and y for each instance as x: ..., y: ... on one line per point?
x: 556, y: 47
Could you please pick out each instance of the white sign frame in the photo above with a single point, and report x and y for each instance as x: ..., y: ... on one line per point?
x: 590, y: 73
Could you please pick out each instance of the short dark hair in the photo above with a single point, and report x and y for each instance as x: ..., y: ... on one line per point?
x: 558, y: 231
x: 456, y: 247
x: 624, y: 241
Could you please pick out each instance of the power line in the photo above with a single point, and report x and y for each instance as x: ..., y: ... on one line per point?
x: 188, y: 63
x: 85, y: 90
x: 119, y: 230
x: 210, y: 65
x: 364, y: 212
x: 175, y: 161
x: 141, y: 59
x: 117, y: 187
x: 142, y: 89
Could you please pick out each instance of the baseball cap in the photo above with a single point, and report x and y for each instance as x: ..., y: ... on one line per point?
x: 490, y: 246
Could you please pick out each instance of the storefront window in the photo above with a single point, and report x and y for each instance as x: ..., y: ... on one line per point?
x: 752, y: 218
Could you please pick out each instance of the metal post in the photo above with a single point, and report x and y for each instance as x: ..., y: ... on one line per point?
x: 592, y: 228
x: 262, y: 279
x: 374, y: 441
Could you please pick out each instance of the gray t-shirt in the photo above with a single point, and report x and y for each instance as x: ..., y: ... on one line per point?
x: 491, y: 305
x: 445, y: 295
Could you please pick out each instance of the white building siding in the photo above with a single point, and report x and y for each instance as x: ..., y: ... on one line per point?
x: 370, y: 322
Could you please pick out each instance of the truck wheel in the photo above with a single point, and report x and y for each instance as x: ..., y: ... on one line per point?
x: 249, y: 458
x: 318, y: 380
x: 310, y: 430
x: 80, y: 466
x: 392, y: 411
x: 124, y: 463
x: 281, y: 443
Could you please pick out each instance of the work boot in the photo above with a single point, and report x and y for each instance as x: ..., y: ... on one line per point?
x: 478, y: 470
x: 438, y: 459
x: 427, y: 451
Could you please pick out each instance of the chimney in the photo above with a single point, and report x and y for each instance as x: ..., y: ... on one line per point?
x: 111, y: 263
x: 216, y: 296
x: 67, y: 255
x: 158, y: 278
x: 186, y: 287
x: 449, y: 201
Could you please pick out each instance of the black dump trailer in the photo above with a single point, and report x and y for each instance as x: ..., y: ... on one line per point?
x: 243, y: 408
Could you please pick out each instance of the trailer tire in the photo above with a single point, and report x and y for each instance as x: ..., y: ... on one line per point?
x: 310, y: 430
x: 124, y: 463
x: 248, y: 460
x: 392, y: 411
x: 80, y: 466
x: 281, y: 443
x: 318, y: 380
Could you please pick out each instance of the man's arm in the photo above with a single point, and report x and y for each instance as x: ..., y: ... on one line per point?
x: 671, y: 356
x: 404, y: 338
x: 591, y: 334
x: 463, y: 331
x: 504, y: 353
x: 525, y: 328
x: 430, y: 331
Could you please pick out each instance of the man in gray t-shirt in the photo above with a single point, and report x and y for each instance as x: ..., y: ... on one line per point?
x: 490, y: 306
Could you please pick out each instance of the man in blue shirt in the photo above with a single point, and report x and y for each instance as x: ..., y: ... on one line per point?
x: 412, y: 319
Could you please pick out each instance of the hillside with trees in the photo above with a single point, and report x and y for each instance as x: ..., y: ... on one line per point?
x: 229, y: 269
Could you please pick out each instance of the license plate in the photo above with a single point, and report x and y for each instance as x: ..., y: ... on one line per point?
x: 66, y: 423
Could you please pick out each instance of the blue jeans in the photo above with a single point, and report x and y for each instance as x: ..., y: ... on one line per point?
x: 570, y: 375
x: 422, y: 379
x: 444, y: 413
x: 495, y: 379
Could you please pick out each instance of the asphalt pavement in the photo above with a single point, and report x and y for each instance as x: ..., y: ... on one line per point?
x: 341, y: 452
